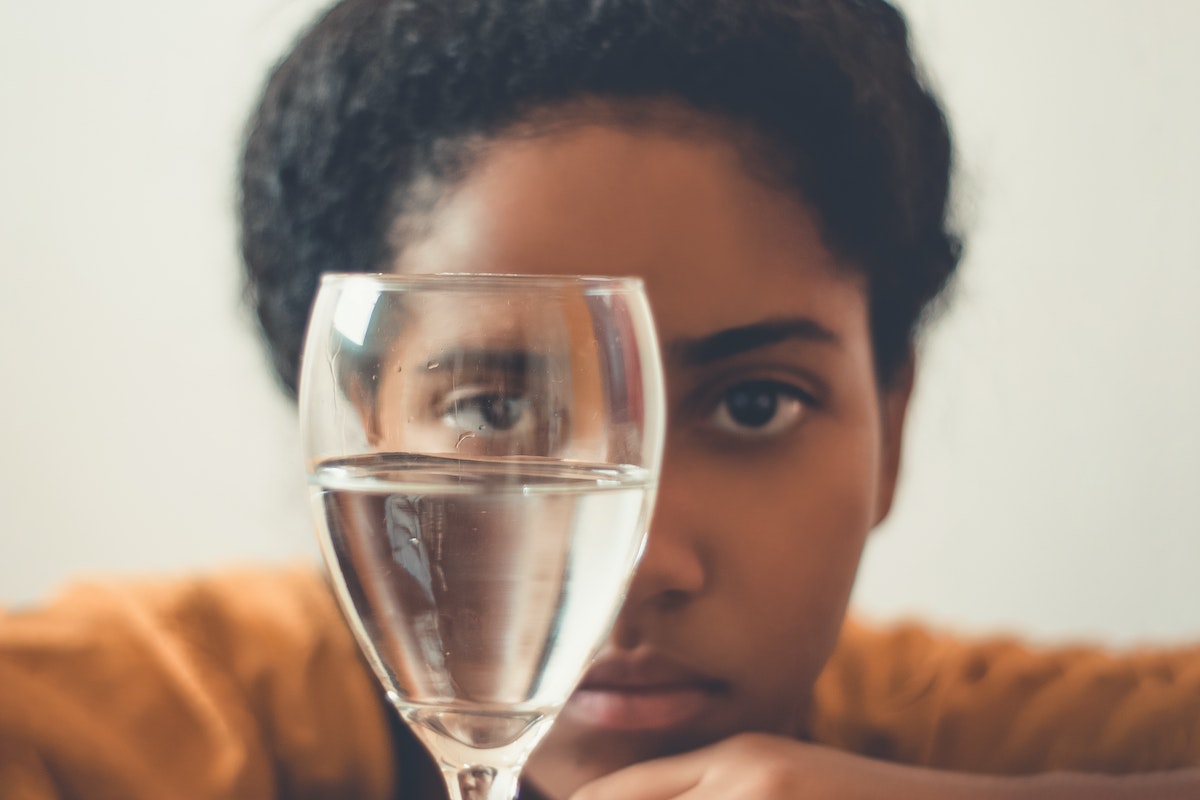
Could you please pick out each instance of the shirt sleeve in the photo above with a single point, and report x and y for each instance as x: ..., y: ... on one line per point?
x: 242, y: 685
x: 998, y: 706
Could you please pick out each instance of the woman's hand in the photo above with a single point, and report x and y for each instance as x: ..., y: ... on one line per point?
x: 755, y: 766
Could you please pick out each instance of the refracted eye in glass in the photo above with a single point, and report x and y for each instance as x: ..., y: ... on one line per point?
x: 485, y: 411
x: 486, y: 391
x: 484, y: 400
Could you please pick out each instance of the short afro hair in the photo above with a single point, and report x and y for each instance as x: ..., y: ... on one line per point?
x: 377, y: 92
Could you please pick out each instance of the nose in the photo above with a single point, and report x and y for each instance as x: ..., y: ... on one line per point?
x: 672, y: 570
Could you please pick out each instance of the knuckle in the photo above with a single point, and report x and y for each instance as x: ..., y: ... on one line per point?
x: 749, y: 744
x: 763, y: 770
x: 771, y: 780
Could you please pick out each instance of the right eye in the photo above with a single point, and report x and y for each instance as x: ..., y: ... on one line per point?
x: 482, y: 411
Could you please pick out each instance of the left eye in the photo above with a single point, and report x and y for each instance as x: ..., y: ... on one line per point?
x: 478, y: 412
x: 759, y: 408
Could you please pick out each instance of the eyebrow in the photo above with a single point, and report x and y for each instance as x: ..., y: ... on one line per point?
x: 485, y: 359
x: 744, y: 338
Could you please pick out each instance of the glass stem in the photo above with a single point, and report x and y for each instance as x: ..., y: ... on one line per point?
x: 481, y: 783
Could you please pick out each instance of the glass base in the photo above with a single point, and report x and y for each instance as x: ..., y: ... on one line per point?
x: 480, y: 754
x: 482, y: 783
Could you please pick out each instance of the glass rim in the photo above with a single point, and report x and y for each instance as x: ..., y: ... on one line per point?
x: 474, y: 281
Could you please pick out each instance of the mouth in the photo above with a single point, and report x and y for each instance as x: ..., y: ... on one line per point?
x: 644, y: 693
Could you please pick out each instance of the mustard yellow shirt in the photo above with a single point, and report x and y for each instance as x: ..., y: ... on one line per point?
x: 248, y: 685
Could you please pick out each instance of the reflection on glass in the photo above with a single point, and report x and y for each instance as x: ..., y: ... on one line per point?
x: 483, y: 454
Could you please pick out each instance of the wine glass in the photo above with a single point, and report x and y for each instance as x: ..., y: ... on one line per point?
x: 483, y: 452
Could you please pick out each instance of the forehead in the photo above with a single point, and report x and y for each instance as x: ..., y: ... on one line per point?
x: 716, y: 246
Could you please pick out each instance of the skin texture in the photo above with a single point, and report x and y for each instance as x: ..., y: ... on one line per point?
x: 703, y: 687
x: 761, y: 519
x: 759, y: 767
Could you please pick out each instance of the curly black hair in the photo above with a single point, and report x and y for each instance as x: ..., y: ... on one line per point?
x: 381, y: 94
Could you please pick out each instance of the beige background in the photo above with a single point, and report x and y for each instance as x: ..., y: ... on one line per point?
x: 1054, y: 455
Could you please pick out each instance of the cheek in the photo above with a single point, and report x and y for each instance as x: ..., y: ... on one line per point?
x: 802, y: 509
x: 802, y: 552
x: 788, y: 548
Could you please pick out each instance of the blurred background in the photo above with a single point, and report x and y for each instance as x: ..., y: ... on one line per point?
x: 1050, y: 483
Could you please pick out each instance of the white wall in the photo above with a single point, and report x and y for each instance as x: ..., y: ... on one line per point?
x: 1053, y: 452
x: 139, y: 429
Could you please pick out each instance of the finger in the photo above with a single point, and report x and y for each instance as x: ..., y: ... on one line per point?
x: 660, y: 779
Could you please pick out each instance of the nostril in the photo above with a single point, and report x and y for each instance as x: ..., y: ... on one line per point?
x: 648, y: 613
x: 672, y: 599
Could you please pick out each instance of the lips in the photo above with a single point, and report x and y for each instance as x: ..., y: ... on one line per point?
x: 641, y: 693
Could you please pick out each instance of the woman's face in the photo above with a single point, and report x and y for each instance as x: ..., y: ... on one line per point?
x: 781, y: 450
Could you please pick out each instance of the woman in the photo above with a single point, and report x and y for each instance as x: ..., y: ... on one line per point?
x: 778, y: 174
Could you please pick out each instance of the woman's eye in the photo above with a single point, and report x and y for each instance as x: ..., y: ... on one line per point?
x: 482, y: 412
x: 759, y: 408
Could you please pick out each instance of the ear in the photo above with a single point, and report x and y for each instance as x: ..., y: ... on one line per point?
x: 893, y: 407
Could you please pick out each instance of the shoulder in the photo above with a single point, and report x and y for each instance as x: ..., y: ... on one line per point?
x: 244, y: 682
x: 997, y: 704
